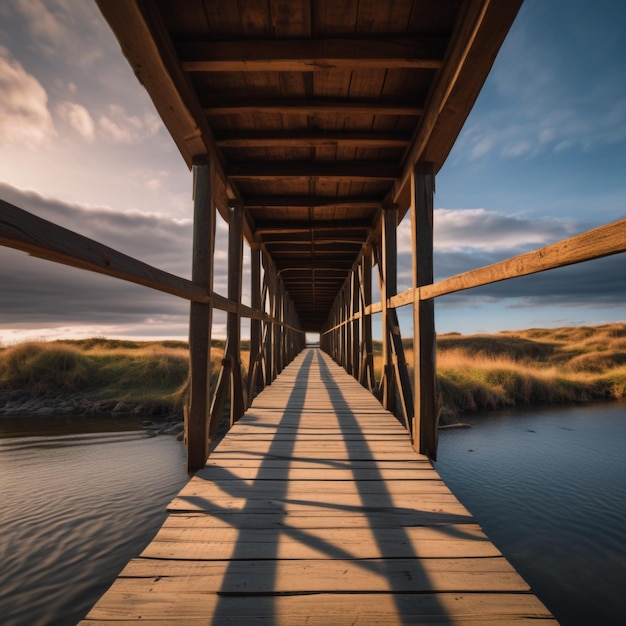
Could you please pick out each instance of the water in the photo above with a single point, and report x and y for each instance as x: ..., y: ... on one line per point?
x: 80, y: 497
x: 549, y: 488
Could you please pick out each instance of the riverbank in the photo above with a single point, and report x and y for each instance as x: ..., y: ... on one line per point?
x: 475, y: 372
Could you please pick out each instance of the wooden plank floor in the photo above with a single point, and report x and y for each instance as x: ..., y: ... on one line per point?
x: 316, y: 510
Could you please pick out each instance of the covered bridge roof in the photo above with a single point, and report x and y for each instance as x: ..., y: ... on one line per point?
x: 315, y: 112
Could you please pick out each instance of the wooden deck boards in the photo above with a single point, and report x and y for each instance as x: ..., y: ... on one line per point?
x: 316, y: 510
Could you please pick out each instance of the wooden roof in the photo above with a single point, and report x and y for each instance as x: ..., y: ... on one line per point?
x: 314, y: 111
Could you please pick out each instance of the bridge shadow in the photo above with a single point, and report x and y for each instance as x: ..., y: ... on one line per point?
x: 386, y: 523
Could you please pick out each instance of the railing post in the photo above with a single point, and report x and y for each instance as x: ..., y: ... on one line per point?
x: 387, y: 271
x: 424, y: 341
x: 255, y: 325
x: 233, y: 320
x: 356, y: 335
x: 197, y: 410
x: 366, y: 373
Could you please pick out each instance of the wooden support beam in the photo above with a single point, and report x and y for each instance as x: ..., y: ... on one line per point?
x: 475, y: 41
x: 426, y: 415
x: 254, y: 379
x: 355, y: 324
x: 197, y: 412
x: 366, y: 373
x: 280, y: 202
x: 279, y: 170
x: 311, y: 55
x: 306, y: 226
x: 233, y: 321
x: 313, y: 106
x: 270, y: 278
x: 309, y: 139
x: 148, y: 47
x: 387, y: 272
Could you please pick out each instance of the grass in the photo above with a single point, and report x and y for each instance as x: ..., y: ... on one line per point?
x: 474, y: 372
x: 106, y: 369
x: 572, y: 364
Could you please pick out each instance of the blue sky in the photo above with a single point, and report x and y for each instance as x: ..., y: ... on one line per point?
x: 541, y: 157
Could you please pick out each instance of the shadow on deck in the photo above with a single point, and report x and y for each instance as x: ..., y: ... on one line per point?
x: 315, y: 509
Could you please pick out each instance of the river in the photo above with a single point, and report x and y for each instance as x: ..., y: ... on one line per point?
x: 549, y: 488
x: 81, y: 497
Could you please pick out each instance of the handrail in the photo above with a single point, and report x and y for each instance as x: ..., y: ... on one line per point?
x: 593, y: 244
x: 41, y: 238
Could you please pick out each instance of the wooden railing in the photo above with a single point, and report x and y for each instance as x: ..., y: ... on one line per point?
x: 351, y: 317
x: 275, y: 333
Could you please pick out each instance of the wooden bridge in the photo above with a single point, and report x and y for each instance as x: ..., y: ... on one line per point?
x: 312, y: 127
x: 315, y: 509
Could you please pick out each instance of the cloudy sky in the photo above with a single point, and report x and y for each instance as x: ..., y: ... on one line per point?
x: 542, y: 157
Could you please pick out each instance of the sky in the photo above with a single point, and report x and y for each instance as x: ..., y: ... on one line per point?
x: 542, y: 157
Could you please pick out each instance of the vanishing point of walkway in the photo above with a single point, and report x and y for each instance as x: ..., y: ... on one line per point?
x: 316, y: 510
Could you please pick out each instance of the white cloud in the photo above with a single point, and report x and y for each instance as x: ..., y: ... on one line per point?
x: 479, y: 229
x: 119, y: 127
x: 42, y: 22
x: 24, y: 115
x: 77, y: 116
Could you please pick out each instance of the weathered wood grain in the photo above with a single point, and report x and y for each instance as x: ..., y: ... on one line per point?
x: 295, y: 517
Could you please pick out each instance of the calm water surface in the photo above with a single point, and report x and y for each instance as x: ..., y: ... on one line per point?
x: 549, y: 489
x: 79, y: 499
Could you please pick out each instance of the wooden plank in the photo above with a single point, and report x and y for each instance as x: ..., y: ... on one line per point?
x: 287, y: 524
x: 285, y: 201
x: 312, y: 106
x: 381, y: 609
x: 452, y: 541
x: 307, y: 576
x: 279, y: 170
x: 287, y: 139
x: 442, y: 505
x: 310, y: 55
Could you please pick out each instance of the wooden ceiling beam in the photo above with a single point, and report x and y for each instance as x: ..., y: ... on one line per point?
x: 212, y: 105
x: 281, y: 202
x: 264, y: 227
x: 318, y: 139
x: 348, y: 170
x: 311, y: 55
x: 326, y: 266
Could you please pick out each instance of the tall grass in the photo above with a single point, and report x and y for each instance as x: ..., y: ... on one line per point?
x: 474, y: 372
x: 573, y: 364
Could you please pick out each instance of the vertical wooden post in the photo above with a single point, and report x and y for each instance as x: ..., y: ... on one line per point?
x: 388, y: 273
x: 366, y: 375
x: 255, y: 325
x: 233, y: 320
x: 424, y: 341
x: 278, y: 329
x: 197, y: 411
x: 355, y: 297
x: 268, y: 326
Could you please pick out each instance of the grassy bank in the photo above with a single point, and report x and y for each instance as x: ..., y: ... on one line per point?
x: 474, y: 371
x: 534, y: 366
x: 151, y: 373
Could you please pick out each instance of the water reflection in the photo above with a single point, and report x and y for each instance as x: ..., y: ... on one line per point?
x: 549, y: 488
x: 80, y: 504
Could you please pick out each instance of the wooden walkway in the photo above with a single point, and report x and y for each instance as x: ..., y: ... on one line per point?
x: 316, y: 510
